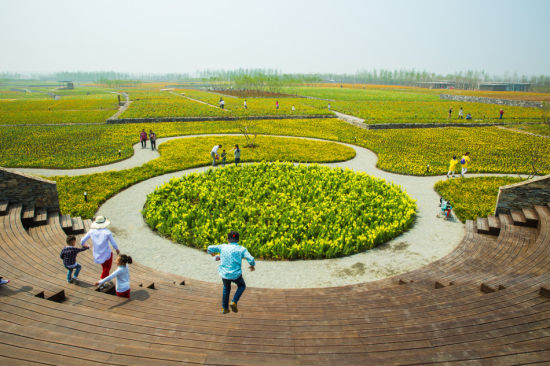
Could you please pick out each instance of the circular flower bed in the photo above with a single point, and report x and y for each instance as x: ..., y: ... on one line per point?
x: 281, y: 211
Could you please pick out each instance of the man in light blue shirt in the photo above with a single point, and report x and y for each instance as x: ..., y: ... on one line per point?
x: 231, y: 256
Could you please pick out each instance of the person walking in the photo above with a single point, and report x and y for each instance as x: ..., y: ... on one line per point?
x: 222, y: 103
x: 143, y: 139
x: 465, y: 161
x: 214, y: 154
x: 245, y: 105
x: 68, y: 254
x: 329, y: 106
x: 450, y: 112
x: 452, y: 167
x: 231, y: 256
x: 122, y: 276
x: 237, y: 155
x: 101, y: 237
x: 501, y: 113
x: 276, y: 104
x: 460, y: 112
x: 153, y: 140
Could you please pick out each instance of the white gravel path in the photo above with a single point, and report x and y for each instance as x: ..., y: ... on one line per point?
x: 430, y: 238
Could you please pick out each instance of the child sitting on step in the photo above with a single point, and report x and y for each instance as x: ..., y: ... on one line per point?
x: 68, y: 254
x: 122, y: 276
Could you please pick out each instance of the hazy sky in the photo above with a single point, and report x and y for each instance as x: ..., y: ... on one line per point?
x: 161, y: 36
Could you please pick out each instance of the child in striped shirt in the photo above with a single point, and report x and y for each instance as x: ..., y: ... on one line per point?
x: 68, y: 254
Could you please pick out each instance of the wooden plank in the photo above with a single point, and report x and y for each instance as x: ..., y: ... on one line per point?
x: 28, y: 213
x: 531, y: 216
x: 494, y: 225
x: 78, y: 225
x: 518, y: 218
x: 482, y: 225
x: 41, y: 217
x: 505, y: 219
x: 66, y: 222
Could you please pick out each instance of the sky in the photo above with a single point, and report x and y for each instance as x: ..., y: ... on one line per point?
x: 340, y: 36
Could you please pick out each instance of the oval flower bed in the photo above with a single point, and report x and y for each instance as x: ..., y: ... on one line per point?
x: 282, y: 211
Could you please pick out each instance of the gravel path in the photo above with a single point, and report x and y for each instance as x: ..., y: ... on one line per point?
x: 430, y: 238
x: 356, y: 121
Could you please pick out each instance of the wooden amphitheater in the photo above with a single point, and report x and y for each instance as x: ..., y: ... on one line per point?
x: 487, y: 302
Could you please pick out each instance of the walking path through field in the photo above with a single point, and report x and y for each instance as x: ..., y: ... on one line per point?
x: 122, y: 108
x: 429, y: 239
x: 356, y: 121
x: 200, y: 101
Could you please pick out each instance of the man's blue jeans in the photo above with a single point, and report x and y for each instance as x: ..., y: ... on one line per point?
x: 213, y: 158
x: 241, y: 286
x: 78, y: 267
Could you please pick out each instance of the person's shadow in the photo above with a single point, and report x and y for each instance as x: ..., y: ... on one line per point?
x: 139, y: 295
x: 7, y: 290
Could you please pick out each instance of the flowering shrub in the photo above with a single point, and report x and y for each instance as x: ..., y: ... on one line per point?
x: 282, y: 211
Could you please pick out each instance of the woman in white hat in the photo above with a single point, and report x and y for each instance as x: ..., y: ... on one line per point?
x: 101, y: 237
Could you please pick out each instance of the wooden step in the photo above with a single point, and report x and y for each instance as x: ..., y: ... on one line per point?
x: 482, y: 225
x: 40, y: 217
x: 471, y: 226
x: 518, y: 218
x: 3, y: 207
x: 494, y: 225
x: 505, y: 219
x: 531, y: 216
x: 66, y: 223
x: 28, y: 213
x: 78, y: 225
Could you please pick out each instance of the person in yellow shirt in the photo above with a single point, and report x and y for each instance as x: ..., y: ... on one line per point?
x: 452, y: 167
x: 465, y: 161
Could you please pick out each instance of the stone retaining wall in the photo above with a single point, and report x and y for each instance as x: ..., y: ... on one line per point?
x: 17, y: 187
x: 507, y: 102
x: 386, y: 126
x: 525, y: 194
x: 198, y: 119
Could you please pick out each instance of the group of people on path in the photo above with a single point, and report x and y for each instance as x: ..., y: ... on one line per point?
x: 215, y: 156
x: 464, y: 162
x: 152, y: 139
x: 469, y: 115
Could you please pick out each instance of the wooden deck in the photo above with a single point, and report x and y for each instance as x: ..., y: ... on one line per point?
x: 481, y: 304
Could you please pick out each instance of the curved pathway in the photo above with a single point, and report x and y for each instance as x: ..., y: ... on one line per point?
x: 429, y: 239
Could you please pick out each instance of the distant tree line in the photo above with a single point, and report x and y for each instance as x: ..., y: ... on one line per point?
x: 273, y: 80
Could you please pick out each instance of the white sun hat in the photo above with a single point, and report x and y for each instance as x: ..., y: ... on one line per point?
x: 100, y: 222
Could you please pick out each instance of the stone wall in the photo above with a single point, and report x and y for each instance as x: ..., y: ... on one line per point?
x: 525, y: 194
x: 196, y: 119
x: 17, y: 187
x: 506, y: 102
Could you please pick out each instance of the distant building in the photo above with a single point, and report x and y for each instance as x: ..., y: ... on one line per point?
x: 67, y: 84
x: 493, y: 86
x: 437, y: 84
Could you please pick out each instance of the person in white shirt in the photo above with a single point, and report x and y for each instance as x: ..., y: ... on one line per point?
x: 214, y: 154
x: 101, y: 237
x: 122, y: 276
